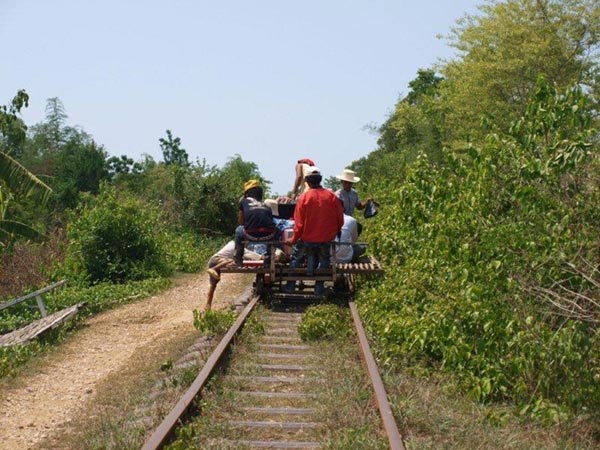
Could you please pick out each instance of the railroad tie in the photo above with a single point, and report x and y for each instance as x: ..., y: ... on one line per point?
x: 279, y: 444
x: 274, y: 404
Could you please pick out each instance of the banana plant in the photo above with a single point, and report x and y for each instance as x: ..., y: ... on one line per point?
x: 15, y: 178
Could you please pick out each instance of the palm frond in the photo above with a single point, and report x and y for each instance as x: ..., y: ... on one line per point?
x: 18, y: 179
x: 10, y: 228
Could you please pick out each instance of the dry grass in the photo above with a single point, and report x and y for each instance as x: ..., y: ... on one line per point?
x: 26, y: 264
x: 348, y: 403
x: 123, y: 411
x: 431, y: 415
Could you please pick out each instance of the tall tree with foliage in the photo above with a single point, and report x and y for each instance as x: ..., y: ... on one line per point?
x: 80, y: 167
x: 213, y: 194
x: 12, y: 128
x: 173, y: 152
x: 66, y: 155
x: 504, y: 49
x: 413, y: 125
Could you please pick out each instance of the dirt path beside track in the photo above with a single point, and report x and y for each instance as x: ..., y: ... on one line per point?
x: 45, y: 399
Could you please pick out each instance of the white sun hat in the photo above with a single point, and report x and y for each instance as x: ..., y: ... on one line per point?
x: 348, y: 175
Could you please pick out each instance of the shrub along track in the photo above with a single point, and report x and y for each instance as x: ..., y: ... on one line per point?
x: 38, y: 408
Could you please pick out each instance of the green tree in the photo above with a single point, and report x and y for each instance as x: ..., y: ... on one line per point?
x: 55, y: 130
x: 425, y: 85
x: 47, y: 138
x: 67, y: 156
x: 236, y: 172
x: 412, y: 128
x: 80, y: 167
x: 137, y: 177
x: 504, y: 49
x: 122, y: 165
x: 414, y: 124
x: 172, y: 151
x: 211, y: 194
x: 12, y: 128
x: 494, y: 255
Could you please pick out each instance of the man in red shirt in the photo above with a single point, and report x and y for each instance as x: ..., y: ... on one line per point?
x: 318, y: 218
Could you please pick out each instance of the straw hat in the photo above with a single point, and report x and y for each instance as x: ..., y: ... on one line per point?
x: 348, y: 175
x: 251, y: 184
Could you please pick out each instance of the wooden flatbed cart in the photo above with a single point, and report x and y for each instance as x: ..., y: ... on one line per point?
x: 272, y: 276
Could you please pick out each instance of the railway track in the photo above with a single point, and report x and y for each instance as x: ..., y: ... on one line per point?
x: 272, y: 395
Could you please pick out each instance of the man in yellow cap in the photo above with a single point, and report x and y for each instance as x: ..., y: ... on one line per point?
x: 255, y: 219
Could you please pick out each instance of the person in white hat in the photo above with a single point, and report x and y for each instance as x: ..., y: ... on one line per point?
x: 318, y: 218
x: 347, y: 194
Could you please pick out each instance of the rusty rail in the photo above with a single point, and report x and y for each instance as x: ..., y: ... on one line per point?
x: 164, y: 431
x: 391, y: 429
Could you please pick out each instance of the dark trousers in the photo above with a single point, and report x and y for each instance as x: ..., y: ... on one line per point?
x: 241, y: 235
x: 317, y: 255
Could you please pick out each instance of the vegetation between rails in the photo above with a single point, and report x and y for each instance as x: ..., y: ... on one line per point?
x: 322, y: 322
x: 345, y: 396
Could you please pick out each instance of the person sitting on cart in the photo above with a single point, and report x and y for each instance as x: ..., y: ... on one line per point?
x: 348, y: 250
x: 223, y: 258
x: 318, y: 218
x: 255, y: 219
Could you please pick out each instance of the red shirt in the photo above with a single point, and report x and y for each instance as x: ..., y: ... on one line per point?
x: 318, y: 216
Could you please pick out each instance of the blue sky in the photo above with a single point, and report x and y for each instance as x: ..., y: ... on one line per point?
x: 273, y: 81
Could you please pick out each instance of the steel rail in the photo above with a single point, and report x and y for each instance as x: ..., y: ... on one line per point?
x: 164, y: 431
x: 391, y: 429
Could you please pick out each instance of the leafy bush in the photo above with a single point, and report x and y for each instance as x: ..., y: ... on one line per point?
x: 188, y: 252
x: 115, y: 239
x: 11, y: 358
x: 490, y: 258
x: 324, y: 322
x: 213, y: 322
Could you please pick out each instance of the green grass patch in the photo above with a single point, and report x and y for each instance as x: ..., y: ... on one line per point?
x: 212, y: 321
